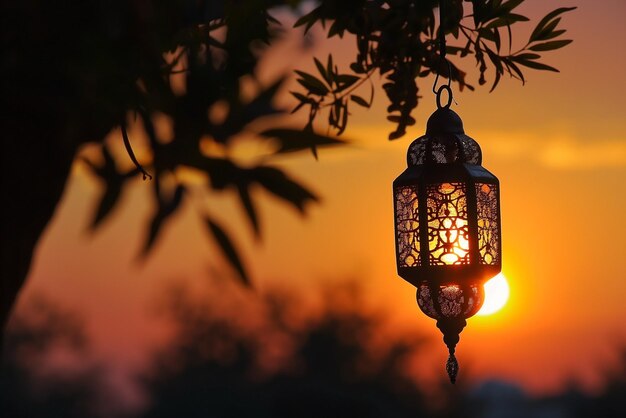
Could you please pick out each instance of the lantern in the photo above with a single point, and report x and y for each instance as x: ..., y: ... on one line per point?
x: 447, y: 225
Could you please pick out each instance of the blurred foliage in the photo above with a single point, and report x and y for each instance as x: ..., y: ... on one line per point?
x: 340, y: 362
x: 86, y: 68
x: 211, y: 49
x: 219, y: 48
x: 31, y: 385
x: 397, y: 39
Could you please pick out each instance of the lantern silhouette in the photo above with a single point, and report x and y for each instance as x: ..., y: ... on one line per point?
x: 447, y: 225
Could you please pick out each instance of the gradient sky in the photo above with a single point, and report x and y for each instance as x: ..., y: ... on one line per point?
x: 558, y: 146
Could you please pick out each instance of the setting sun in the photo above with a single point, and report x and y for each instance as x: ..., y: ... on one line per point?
x: 496, y: 295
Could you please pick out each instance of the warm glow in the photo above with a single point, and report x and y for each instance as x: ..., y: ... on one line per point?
x: 447, y: 226
x: 496, y: 295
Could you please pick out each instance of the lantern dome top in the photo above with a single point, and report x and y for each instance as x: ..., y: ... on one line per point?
x: 445, y: 142
x: 444, y: 121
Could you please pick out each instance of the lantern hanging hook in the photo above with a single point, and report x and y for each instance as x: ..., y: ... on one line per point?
x: 442, y: 58
x: 447, y: 89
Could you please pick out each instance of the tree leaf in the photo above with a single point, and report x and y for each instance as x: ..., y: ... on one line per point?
x: 495, y: 82
x: 298, y: 107
x: 343, y: 119
x: 329, y: 68
x: 495, y: 60
x: 525, y: 57
x: 322, y: 70
x: 510, y: 36
x: 537, y: 65
x: 246, y: 202
x: 164, y: 211
x: 453, y: 50
x: 506, y: 20
x: 497, y: 63
x: 553, y: 34
x: 312, y: 84
x: 357, y: 68
x: 303, y: 100
x: 543, y: 22
x: 331, y: 115
x: 262, y: 104
x: 510, y: 5
x: 336, y: 28
x: 302, y: 20
x: 344, y: 81
x: 360, y: 101
x: 467, y: 48
x: 108, y: 200
x: 549, y: 46
x: 302, y: 97
x: 548, y: 29
x: 296, y: 140
x: 398, y: 133
x: 229, y: 250
x: 487, y: 34
x: 277, y: 182
x: 153, y: 232
x: 308, y: 19
x: 512, y: 66
x: 497, y: 41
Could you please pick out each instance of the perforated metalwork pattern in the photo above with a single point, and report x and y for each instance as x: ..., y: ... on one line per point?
x: 453, y: 301
x: 407, y: 226
x: 488, y: 234
x: 471, y: 149
x: 448, y: 232
x: 416, y: 155
x: 444, y: 150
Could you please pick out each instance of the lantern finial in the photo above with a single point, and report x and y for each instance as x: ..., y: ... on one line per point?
x: 444, y: 121
x: 451, y: 328
x: 452, y: 367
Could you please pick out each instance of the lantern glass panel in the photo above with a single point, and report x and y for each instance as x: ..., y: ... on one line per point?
x: 448, y: 231
x: 488, y: 233
x: 407, y: 226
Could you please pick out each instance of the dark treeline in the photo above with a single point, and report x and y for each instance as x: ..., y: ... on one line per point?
x: 332, y: 364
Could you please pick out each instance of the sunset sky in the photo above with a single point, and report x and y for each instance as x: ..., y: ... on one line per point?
x: 557, y: 144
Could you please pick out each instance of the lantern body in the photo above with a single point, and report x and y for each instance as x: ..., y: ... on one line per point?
x: 447, y: 226
x: 447, y: 211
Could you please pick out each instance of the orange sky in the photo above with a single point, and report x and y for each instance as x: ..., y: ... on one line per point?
x: 558, y: 146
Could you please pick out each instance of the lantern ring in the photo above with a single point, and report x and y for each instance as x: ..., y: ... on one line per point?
x: 439, y: 94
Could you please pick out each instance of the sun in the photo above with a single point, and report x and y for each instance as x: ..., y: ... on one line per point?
x: 496, y: 295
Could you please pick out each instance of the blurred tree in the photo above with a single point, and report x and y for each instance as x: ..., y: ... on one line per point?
x: 611, y: 402
x: 73, y: 71
x: 495, y: 398
x: 332, y: 365
x: 31, y: 385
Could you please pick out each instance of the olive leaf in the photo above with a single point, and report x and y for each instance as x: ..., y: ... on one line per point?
x: 228, y: 249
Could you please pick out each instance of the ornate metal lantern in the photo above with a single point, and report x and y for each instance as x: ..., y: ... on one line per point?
x: 447, y: 224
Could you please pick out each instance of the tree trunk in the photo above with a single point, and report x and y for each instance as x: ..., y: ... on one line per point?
x: 60, y: 69
x: 35, y: 167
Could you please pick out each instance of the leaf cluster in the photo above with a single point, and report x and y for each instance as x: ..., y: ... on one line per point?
x: 398, y: 40
x: 333, y: 91
x: 211, y: 58
x: 213, y: 48
x: 485, y: 40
